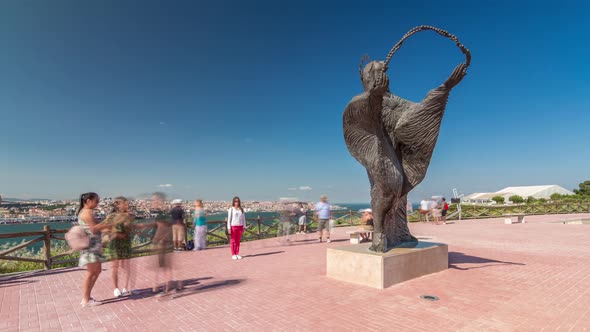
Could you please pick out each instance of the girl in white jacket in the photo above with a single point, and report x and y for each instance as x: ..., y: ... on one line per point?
x: 236, y: 221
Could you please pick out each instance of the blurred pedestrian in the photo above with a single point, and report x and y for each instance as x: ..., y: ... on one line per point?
x: 286, y: 221
x: 162, y: 241
x: 425, y: 209
x: 200, y: 221
x: 302, y: 219
x: 436, y: 211
x: 323, y: 212
x: 178, y: 225
x: 121, y: 222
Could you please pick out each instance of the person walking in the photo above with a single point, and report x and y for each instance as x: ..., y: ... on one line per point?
x: 119, y: 233
x: 323, y: 213
x: 178, y: 225
x: 200, y: 222
x: 425, y: 209
x: 236, y: 220
x: 91, y: 257
x: 444, y: 210
x: 163, y: 244
x: 437, y: 211
x: 302, y: 220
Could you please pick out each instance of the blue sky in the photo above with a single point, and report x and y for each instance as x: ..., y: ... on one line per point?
x: 120, y: 97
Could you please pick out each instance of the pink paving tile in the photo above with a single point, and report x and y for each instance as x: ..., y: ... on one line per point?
x: 522, y: 277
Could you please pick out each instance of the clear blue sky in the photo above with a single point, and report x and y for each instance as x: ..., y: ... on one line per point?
x: 246, y: 97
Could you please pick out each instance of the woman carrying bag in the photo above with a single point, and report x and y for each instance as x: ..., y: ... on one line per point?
x: 91, y: 257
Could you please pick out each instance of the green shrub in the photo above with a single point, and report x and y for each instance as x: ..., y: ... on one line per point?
x: 584, y: 189
x: 498, y: 199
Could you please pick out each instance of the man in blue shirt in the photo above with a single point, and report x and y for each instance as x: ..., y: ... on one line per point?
x: 323, y: 213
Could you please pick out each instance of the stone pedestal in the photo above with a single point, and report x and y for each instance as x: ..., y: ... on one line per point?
x: 357, y: 264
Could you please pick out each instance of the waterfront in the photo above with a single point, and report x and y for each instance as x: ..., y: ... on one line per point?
x: 33, y: 227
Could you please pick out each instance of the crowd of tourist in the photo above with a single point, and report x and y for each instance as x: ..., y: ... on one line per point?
x: 168, y: 234
x: 436, y: 208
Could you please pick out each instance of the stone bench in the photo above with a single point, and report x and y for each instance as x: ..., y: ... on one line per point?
x: 355, y: 236
x: 519, y: 218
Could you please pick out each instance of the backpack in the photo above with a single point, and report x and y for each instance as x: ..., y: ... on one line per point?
x: 77, y: 238
x: 190, y: 245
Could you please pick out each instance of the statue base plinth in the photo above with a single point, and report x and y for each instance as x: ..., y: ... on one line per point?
x: 357, y: 264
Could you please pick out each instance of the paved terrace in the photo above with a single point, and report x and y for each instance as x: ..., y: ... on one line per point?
x: 520, y: 277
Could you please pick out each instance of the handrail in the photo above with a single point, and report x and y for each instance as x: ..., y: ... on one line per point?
x: 260, y: 227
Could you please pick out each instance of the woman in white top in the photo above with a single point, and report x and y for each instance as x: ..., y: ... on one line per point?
x: 236, y: 220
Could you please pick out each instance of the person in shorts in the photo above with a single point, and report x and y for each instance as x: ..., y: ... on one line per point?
x: 302, y: 220
x: 178, y: 226
x: 323, y: 213
x: 425, y: 209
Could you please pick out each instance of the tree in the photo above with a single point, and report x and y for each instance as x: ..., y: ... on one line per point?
x: 516, y: 199
x: 584, y: 189
x: 531, y: 200
x: 498, y: 199
x: 556, y: 197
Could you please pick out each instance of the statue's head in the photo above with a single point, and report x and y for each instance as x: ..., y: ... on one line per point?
x: 371, y: 72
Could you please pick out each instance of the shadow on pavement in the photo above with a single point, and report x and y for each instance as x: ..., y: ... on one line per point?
x: 208, y: 287
x: 265, y: 253
x: 461, y: 258
x: 340, y: 240
x: 11, y: 283
x: 27, y: 274
x: 147, y: 292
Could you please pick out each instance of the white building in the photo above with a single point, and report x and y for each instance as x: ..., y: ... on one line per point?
x: 523, y: 191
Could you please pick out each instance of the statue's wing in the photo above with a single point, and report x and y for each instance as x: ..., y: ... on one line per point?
x: 416, y: 132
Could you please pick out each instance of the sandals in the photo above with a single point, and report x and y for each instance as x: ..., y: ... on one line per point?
x: 90, y: 303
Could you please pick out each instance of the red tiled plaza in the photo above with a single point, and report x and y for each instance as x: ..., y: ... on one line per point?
x: 521, y: 277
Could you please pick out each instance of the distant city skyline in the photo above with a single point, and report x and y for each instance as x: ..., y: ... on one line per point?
x: 214, y: 100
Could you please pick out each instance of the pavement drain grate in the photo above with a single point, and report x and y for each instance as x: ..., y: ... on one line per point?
x: 429, y: 297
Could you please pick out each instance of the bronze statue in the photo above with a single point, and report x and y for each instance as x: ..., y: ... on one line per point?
x: 393, y: 138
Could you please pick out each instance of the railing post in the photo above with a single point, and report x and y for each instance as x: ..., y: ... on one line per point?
x: 350, y: 212
x: 47, y: 247
x: 258, y: 222
x: 226, y: 230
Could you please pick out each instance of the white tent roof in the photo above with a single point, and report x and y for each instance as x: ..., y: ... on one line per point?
x: 535, y: 191
x: 476, y: 196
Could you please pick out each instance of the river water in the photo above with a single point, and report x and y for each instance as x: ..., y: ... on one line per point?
x: 18, y: 228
